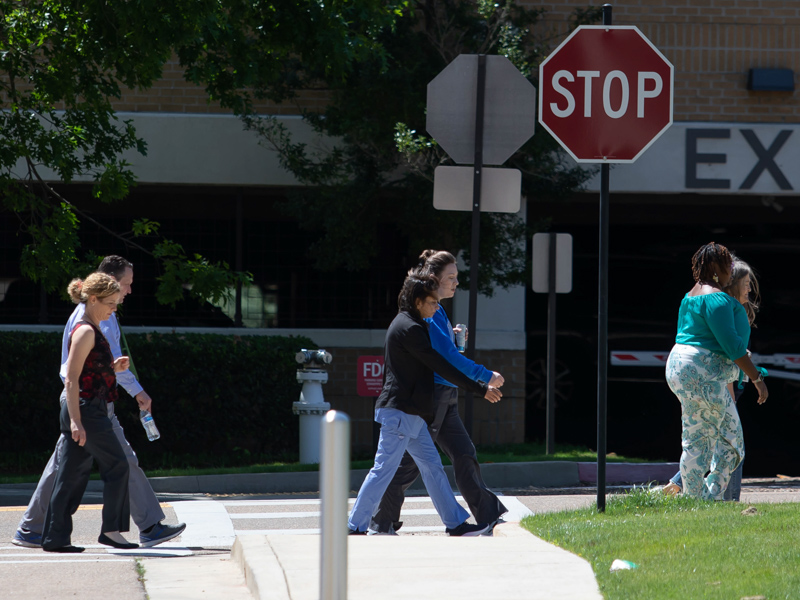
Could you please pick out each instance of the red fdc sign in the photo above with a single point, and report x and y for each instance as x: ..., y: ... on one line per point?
x: 606, y: 94
x: 370, y: 375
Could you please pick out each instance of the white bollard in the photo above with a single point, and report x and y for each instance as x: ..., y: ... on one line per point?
x: 334, y: 487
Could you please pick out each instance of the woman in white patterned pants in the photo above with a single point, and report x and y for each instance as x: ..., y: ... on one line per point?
x: 712, y: 438
x: 712, y: 338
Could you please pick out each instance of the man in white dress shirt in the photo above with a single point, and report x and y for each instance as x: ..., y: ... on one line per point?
x: 145, y: 508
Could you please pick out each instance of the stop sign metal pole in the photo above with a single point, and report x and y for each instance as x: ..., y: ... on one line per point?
x: 602, y: 324
x: 550, y: 430
x: 476, y: 229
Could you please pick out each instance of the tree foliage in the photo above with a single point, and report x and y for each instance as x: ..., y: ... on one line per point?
x: 381, y: 170
x: 61, y: 66
x: 62, y: 63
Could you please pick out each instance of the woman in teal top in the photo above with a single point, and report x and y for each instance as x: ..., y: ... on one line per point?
x: 743, y: 286
x: 713, y: 332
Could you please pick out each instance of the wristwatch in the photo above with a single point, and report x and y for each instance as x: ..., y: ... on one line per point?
x: 760, y: 377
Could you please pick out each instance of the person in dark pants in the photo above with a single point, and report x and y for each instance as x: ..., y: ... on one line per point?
x: 405, y: 408
x: 146, y: 511
x: 447, y: 430
x: 90, y: 384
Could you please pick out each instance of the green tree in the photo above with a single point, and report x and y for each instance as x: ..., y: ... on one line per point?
x: 63, y: 62
x: 380, y: 169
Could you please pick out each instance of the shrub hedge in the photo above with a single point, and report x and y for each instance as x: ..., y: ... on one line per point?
x: 217, y: 400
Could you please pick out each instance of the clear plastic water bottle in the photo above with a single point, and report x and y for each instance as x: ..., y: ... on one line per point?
x: 149, y: 425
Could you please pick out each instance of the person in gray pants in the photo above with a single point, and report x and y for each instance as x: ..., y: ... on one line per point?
x: 145, y: 508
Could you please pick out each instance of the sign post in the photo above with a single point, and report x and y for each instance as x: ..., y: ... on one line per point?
x: 606, y: 96
x: 552, y: 254
x: 480, y: 110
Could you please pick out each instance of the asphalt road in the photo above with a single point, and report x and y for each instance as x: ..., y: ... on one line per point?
x: 197, y: 564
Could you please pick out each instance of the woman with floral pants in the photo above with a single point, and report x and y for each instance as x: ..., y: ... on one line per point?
x: 713, y: 332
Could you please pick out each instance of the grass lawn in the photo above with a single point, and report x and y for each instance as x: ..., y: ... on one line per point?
x: 12, y: 471
x: 683, y: 548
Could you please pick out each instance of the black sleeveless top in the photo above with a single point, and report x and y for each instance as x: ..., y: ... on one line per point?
x: 97, y: 379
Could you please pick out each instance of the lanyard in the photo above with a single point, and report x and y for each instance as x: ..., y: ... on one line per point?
x: 131, y: 368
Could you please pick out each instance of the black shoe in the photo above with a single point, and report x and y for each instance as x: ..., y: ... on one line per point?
x: 355, y: 532
x: 104, y: 539
x: 65, y: 549
x: 468, y: 530
x: 397, y: 525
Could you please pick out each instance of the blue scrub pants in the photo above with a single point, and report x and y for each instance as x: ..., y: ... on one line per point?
x: 401, y: 432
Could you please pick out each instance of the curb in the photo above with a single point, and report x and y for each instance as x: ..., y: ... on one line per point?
x: 546, y: 474
x: 496, y: 475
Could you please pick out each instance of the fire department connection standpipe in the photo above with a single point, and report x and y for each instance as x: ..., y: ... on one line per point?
x: 312, y: 406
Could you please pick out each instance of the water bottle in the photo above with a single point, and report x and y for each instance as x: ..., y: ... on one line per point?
x: 149, y: 425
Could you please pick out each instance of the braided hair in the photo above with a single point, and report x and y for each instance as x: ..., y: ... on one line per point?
x: 707, y: 258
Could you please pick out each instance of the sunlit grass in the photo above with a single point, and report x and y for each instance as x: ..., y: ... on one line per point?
x: 684, y: 548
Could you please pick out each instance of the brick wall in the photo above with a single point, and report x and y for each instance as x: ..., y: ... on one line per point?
x: 712, y: 44
x: 500, y: 423
x: 174, y: 94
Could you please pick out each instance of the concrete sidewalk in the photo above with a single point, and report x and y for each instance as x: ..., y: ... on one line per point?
x: 513, y: 564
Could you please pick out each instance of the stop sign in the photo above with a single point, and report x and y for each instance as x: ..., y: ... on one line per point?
x: 606, y: 94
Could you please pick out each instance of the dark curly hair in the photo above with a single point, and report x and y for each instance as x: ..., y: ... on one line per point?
x: 416, y: 287
x: 708, y: 259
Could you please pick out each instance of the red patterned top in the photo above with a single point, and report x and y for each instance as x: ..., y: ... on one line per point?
x: 97, y: 379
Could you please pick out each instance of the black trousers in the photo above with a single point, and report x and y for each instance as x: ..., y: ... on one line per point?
x: 75, y: 465
x: 448, y: 431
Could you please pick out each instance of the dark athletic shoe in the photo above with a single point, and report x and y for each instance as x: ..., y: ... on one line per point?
x: 355, y: 532
x: 27, y: 539
x: 468, y: 530
x: 159, y: 533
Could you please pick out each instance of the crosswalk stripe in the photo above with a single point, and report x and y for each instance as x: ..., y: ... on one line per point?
x: 311, y: 514
x: 207, y: 523
x: 65, y: 560
x: 312, y: 501
x: 409, y: 529
x: 516, y: 509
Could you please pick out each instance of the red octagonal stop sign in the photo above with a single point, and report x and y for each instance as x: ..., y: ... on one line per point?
x: 606, y: 94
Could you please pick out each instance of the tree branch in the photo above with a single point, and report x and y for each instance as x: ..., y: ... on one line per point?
x: 83, y: 214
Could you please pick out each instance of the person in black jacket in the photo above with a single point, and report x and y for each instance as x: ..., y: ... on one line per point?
x: 405, y: 408
x: 447, y: 430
